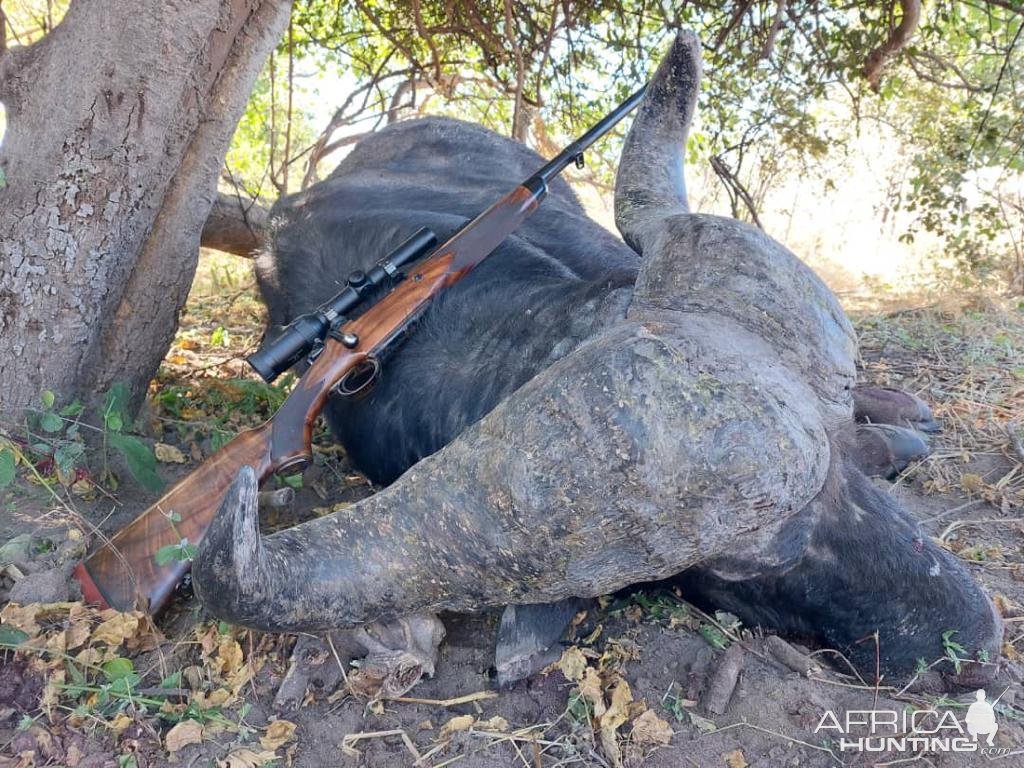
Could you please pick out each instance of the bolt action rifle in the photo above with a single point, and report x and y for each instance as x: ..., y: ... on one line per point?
x: 126, y: 572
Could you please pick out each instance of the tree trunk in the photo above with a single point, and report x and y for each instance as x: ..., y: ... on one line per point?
x: 118, y: 122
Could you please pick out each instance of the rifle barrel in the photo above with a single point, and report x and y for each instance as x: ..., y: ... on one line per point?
x: 568, y: 155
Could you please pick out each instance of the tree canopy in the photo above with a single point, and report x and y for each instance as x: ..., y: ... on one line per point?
x: 944, y: 78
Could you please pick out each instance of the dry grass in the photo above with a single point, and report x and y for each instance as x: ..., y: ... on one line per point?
x: 967, y: 361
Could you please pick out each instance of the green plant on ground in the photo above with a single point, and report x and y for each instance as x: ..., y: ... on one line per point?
x: 955, y: 652
x: 51, y: 445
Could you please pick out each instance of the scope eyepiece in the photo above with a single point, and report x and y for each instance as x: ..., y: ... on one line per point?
x: 300, y: 336
x: 285, y: 350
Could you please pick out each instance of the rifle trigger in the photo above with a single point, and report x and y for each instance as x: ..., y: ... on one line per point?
x: 579, y: 160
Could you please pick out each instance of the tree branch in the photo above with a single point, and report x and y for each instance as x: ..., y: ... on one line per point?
x: 897, y: 41
x: 735, y: 188
x: 773, y: 32
x: 234, y: 227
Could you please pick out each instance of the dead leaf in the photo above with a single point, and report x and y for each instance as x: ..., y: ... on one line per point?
x: 246, y: 758
x: 735, y: 759
x: 651, y: 729
x: 614, y: 716
x: 590, y: 687
x: 278, y: 732
x: 168, y: 454
x: 120, y: 722
x: 496, y: 723
x: 52, y: 691
x: 572, y: 663
x: 184, y: 733
x: 115, y: 629
x: 592, y: 637
x: 702, y: 723
x: 230, y: 654
x: 456, y: 724
x: 77, y: 634
x: 618, y: 706
x: 21, y: 617
x: 216, y: 698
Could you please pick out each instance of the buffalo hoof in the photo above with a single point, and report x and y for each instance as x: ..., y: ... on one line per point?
x: 398, y: 654
x: 528, y: 637
x: 884, y: 405
x: 884, y: 450
x: 392, y: 657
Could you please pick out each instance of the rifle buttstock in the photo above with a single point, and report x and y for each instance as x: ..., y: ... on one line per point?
x: 123, y: 573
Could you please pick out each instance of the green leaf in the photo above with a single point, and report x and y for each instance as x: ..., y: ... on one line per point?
x: 295, y: 481
x: 72, y: 410
x: 220, y: 337
x: 51, y: 422
x: 713, y: 636
x: 117, y: 669
x: 140, y: 459
x: 47, y: 399
x: 115, y: 409
x: 173, y: 680
x: 166, y: 555
x: 6, y: 467
x: 67, y: 454
x: 11, y: 636
x: 77, y: 676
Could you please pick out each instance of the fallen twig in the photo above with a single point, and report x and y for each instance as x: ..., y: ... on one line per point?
x: 789, y: 656
x: 349, y: 739
x: 723, y: 682
x: 468, y: 698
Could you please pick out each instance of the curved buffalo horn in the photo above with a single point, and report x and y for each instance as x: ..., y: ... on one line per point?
x: 622, y: 462
x: 650, y: 184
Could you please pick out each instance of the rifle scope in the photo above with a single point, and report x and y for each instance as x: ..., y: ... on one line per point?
x: 305, y: 332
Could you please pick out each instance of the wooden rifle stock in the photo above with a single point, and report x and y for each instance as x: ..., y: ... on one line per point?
x: 123, y: 573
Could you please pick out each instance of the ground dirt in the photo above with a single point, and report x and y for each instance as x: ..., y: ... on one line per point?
x: 648, y: 650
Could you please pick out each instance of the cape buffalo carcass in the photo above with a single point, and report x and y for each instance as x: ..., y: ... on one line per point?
x: 582, y: 413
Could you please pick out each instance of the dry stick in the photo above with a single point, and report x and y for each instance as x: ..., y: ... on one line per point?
x: 341, y: 667
x: 796, y: 660
x: 953, y: 511
x: 964, y: 523
x: 469, y: 697
x: 723, y: 682
x: 351, y: 738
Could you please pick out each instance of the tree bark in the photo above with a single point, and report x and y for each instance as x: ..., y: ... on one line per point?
x: 118, y: 122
